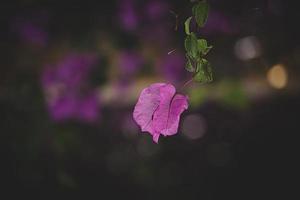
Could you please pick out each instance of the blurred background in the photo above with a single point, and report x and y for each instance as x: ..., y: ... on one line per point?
x: 71, y: 73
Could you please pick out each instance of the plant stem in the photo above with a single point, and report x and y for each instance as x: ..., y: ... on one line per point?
x: 186, y: 83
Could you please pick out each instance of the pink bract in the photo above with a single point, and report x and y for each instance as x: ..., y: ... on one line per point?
x: 158, y: 110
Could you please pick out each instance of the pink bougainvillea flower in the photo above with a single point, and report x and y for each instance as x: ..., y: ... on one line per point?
x: 158, y: 110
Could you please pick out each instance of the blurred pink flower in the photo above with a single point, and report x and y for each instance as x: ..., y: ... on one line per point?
x: 30, y: 32
x: 72, y: 106
x: 31, y: 28
x: 72, y: 71
x: 156, y: 10
x: 143, y: 18
x: 172, y: 67
x: 158, y: 110
x: 66, y: 88
x: 128, y: 15
x: 129, y: 63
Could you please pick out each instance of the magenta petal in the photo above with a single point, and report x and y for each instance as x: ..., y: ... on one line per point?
x: 146, y: 106
x: 161, y: 115
x: 155, y: 137
x: 167, y: 116
x: 88, y: 109
x: 178, y: 105
x: 158, y: 110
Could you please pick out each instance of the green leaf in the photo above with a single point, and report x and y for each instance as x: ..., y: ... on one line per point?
x: 203, y: 49
x: 202, y: 45
x: 200, y: 11
x: 207, y: 50
x: 204, y: 72
x: 187, y: 26
x: 190, y: 44
x: 189, y: 65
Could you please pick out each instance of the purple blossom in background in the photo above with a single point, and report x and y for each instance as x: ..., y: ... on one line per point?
x: 132, y: 15
x: 217, y: 22
x: 63, y: 107
x: 31, y: 31
x: 73, y: 106
x: 149, y: 20
x: 65, y: 85
x: 75, y: 69
x: 129, y: 62
x: 156, y: 10
x: 172, y: 67
x: 128, y: 15
x: 88, y: 108
x: 158, y: 110
x: 72, y: 71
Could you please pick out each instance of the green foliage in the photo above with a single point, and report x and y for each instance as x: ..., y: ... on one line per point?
x: 203, y: 72
x: 187, y: 25
x: 200, y: 12
x: 191, y: 45
x: 197, y: 48
x: 189, y: 65
x: 202, y: 47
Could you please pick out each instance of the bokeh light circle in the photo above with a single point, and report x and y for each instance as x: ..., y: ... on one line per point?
x: 277, y: 76
x: 194, y: 126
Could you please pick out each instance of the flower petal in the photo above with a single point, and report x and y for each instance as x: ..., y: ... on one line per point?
x: 155, y: 137
x: 158, y: 110
x: 166, y: 117
x: 147, y: 104
x: 161, y: 115
x: 178, y: 105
